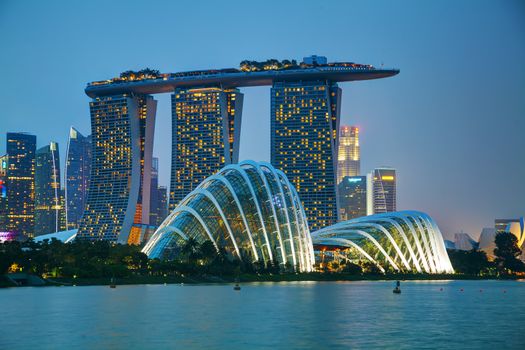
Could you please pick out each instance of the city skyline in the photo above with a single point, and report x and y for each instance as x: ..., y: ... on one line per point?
x: 384, y: 111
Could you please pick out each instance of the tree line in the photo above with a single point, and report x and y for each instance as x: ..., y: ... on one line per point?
x: 83, y: 259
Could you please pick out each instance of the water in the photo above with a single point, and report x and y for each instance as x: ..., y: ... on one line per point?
x: 301, y: 315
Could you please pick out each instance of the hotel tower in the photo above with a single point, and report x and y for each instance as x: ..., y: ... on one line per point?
x: 119, y: 189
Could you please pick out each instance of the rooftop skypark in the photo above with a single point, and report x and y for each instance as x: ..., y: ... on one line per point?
x: 249, y: 73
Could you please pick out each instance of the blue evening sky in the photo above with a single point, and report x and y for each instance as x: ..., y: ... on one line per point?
x: 452, y: 122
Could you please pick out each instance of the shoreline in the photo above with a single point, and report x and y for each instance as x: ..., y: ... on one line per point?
x: 208, y: 279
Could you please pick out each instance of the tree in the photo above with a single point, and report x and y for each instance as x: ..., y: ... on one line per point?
x: 191, y: 249
x: 352, y: 268
x: 207, y: 252
x: 472, y: 262
x: 507, y: 253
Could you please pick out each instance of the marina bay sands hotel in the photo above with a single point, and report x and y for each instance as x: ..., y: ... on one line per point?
x: 206, y: 125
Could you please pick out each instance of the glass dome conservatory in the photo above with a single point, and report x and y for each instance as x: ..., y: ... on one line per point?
x: 407, y: 241
x: 249, y: 209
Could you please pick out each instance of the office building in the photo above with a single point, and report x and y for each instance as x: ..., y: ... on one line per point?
x: 119, y: 188
x: 78, y: 164
x: 304, y: 127
x: 348, y: 157
x: 21, y: 149
x: 354, y: 197
x: 159, y: 204
x: 3, y: 193
x: 206, y: 125
x: 384, y: 187
x: 49, y: 208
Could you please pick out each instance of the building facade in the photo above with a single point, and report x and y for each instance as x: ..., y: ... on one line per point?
x: 348, y: 157
x: 304, y: 128
x: 354, y: 197
x: 502, y: 224
x: 159, y: 203
x: 21, y: 148
x: 384, y: 187
x: 49, y: 210
x: 3, y: 193
x: 206, y: 126
x: 78, y: 164
x: 119, y: 189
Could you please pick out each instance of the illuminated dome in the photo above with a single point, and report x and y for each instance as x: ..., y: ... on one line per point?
x: 249, y: 209
x: 407, y: 241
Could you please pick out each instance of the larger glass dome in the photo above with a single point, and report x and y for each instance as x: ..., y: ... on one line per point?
x: 249, y: 209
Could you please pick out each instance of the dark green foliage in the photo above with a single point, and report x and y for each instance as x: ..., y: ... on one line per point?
x: 473, y: 262
x: 507, y: 253
x: 80, y: 258
x: 352, y: 268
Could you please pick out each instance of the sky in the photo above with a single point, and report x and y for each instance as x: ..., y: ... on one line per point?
x: 452, y: 122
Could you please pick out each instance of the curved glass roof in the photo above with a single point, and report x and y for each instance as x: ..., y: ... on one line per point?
x: 249, y: 209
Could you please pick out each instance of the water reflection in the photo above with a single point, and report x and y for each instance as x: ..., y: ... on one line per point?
x: 294, y: 315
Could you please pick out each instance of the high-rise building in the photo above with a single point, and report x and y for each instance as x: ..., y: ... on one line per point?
x: 3, y: 193
x: 384, y: 186
x: 159, y: 204
x: 48, y: 194
x: 78, y: 164
x: 206, y: 113
x: 355, y: 197
x: 21, y: 149
x: 206, y: 126
x: 304, y: 128
x: 119, y: 188
x: 348, y: 157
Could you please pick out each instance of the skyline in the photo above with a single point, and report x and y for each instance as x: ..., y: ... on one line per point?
x: 448, y: 185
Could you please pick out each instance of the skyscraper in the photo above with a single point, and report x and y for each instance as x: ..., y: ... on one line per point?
x: 159, y: 204
x: 304, y: 127
x: 206, y: 114
x: 354, y: 198
x: 384, y: 185
x: 206, y: 126
x: 78, y: 164
x: 21, y: 183
x: 348, y: 158
x: 119, y: 189
x: 48, y: 196
x: 3, y: 193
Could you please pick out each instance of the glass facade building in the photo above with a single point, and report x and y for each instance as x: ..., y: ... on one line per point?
x: 119, y: 189
x: 21, y: 148
x: 206, y: 126
x: 159, y: 203
x: 250, y: 210
x: 78, y: 164
x: 304, y: 128
x: 49, y: 210
x: 348, y: 157
x: 3, y: 193
x: 353, y: 197
x: 406, y: 241
x: 384, y: 187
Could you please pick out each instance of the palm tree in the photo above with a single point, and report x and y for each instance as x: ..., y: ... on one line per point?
x: 191, y: 249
